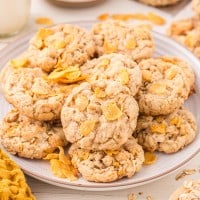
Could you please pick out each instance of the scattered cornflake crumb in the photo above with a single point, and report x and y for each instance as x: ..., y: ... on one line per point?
x: 185, y: 173
x: 44, y: 21
x: 131, y: 196
x: 149, y: 198
x: 61, y: 165
x: 149, y: 158
x: 156, y: 19
x: 103, y: 16
x: 152, y: 17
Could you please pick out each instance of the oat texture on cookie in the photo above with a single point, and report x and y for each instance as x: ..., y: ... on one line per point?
x: 99, y: 123
x: 169, y: 133
x: 110, y: 165
x: 166, y: 84
x: 28, y: 138
x: 65, y: 43
x: 115, y: 36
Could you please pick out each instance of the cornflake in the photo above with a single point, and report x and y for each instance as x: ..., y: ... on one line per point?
x: 99, y: 93
x: 124, y: 76
x: 149, y: 158
x: 156, y: 19
x: 158, y: 128
x: 19, y: 63
x: 44, y: 21
x: 184, y: 173
x: 131, y: 196
x: 111, y: 111
x: 61, y: 165
x: 87, y: 127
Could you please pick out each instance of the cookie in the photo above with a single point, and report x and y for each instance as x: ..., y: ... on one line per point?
x: 99, y: 119
x: 189, y: 191
x: 114, y: 36
x: 167, y: 82
x: 196, y: 6
x: 187, y: 33
x: 160, y: 2
x: 13, y: 184
x: 29, y: 90
x: 168, y: 133
x: 65, y: 43
x: 27, y: 138
x: 108, y: 166
x: 114, y: 67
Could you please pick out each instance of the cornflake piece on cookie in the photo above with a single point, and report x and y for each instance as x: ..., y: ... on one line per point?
x: 103, y: 166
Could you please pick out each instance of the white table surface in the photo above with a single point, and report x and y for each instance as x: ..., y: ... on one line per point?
x: 160, y: 189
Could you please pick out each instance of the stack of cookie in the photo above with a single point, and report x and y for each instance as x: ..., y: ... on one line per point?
x: 187, y: 31
x: 86, y: 89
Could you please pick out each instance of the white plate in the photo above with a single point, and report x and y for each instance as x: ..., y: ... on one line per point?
x: 165, y: 164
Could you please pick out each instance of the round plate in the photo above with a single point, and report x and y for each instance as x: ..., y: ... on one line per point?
x: 165, y: 164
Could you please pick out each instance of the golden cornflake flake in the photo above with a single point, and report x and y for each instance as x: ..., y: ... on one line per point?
x: 149, y: 158
x: 59, y: 44
x: 131, y: 44
x: 146, y: 75
x: 66, y: 75
x: 158, y: 128
x: 81, y: 102
x: 111, y: 152
x: 87, y: 127
x: 110, y: 47
x: 170, y: 73
x: 99, y: 93
x: 43, y: 33
x: 61, y: 165
x: 158, y: 88
x: 124, y: 76
x: 83, y: 154
x: 44, y: 21
x: 103, y: 16
x: 19, y: 63
x: 156, y: 19
x: 191, y: 40
x: 103, y: 63
x: 177, y: 121
x: 111, y: 111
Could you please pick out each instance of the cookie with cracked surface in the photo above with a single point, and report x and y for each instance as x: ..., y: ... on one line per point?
x: 168, y: 133
x: 196, y: 6
x: 32, y: 93
x: 114, y: 36
x: 160, y: 2
x: 190, y: 190
x: 108, y: 166
x: 28, y: 138
x: 115, y: 67
x: 64, y: 43
x: 167, y: 83
x: 187, y: 33
x: 99, y: 118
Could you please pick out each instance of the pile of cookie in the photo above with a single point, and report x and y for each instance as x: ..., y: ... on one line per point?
x: 85, y: 90
x: 187, y: 31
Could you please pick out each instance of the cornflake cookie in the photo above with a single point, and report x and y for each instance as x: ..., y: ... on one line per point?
x: 168, y: 133
x: 114, y: 67
x: 159, y: 2
x: 196, y: 6
x: 108, y: 166
x: 28, y: 138
x: 167, y: 82
x: 114, y: 36
x: 30, y: 91
x: 68, y: 44
x: 12, y: 181
x: 189, y: 191
x: 187, y: 32
x: 99, y: 118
